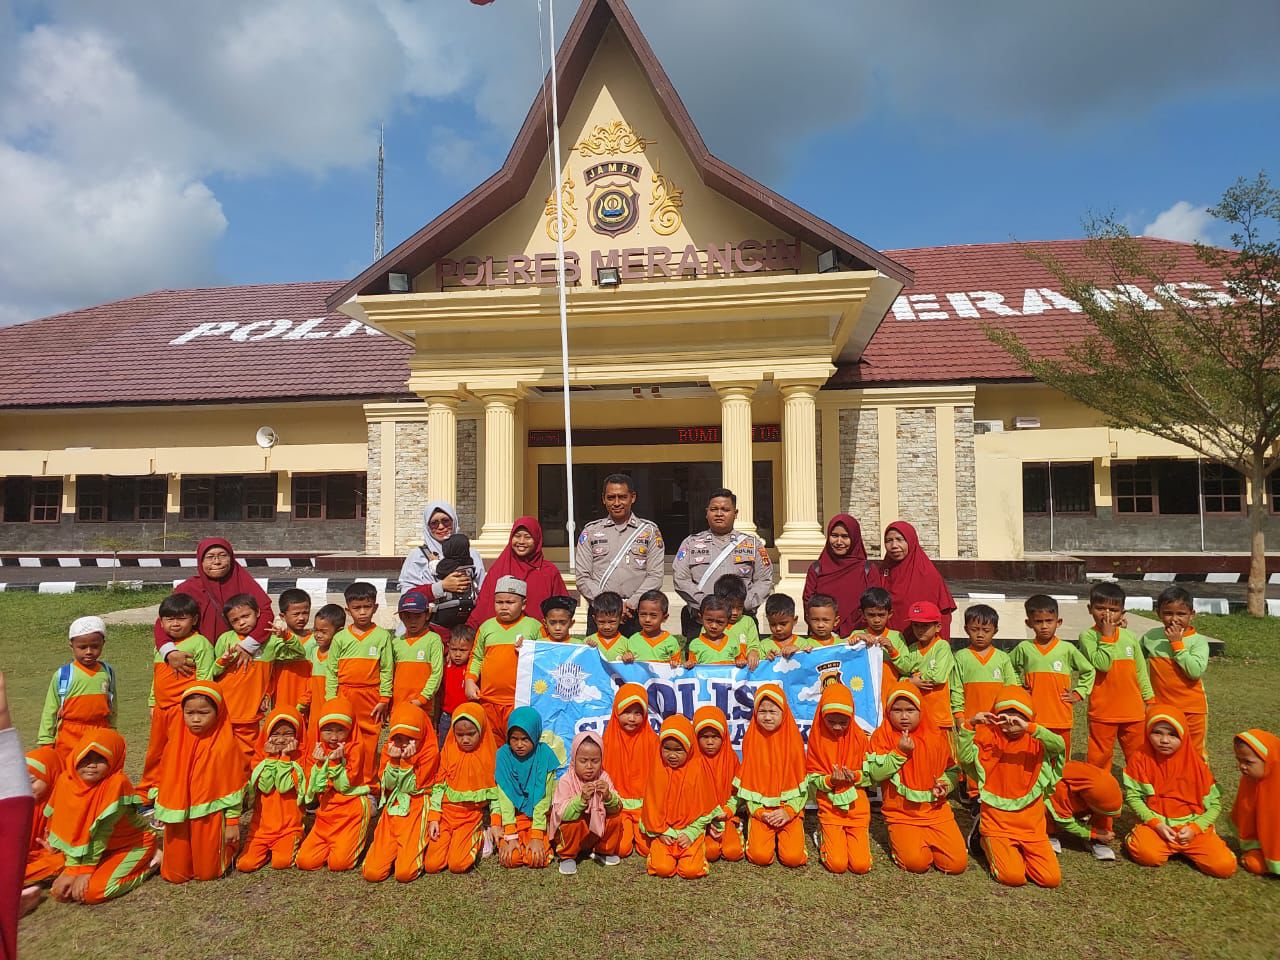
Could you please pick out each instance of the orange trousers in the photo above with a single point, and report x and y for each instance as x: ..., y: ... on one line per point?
x: 162, y: 723
x: 274, y: 833
x: 1103, y: 737
x: 496, y: 714
x: 398, y: 843
x: 42, y: 864
x: 338, y: 834
x: 668, y: 860
x: 1014, y: 862
x: 729, y: 845
x: 1197, y: 730
x: 622, y: 835
x: 1086, y: 789
x: 196, y: 849
x: 120, y: 871
x: 524, y: 856
x: 788, y: 842
x: 461, y: 839
x: 846, y: 844
x: 1207, y: 851
x: 363, y: 700
x: 1251, y: 860
x: 575, y: 840
x: 917, y: 845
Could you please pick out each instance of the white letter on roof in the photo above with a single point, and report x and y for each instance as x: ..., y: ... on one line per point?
x: 1039, y: 300
x: 993, y: 302
x: 922, y: 302
x: 963, y: 307
x: 902, y: 310
x: 303, y: 330
x: 277, y: 327
x: 213, y: 328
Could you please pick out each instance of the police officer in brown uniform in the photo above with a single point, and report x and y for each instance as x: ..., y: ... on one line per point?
x: 619, y: 552
x: 705, y: 557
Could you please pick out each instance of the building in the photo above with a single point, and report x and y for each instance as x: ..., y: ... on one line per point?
x: 719, y: 334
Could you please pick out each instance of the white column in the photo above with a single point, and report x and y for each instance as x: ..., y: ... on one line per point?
x: 802, y: 538
x: 442, y: 447
x: 500, y: 465
x: 735, y: 446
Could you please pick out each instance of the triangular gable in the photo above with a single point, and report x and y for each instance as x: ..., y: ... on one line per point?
x: 516, y: 178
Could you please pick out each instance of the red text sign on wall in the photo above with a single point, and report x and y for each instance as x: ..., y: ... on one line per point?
x: 649, y: 436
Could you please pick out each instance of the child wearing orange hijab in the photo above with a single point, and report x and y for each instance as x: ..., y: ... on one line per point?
x: 773, y: 782
x: 464, y: 789
x: 1256, y: 813
x: 835, y: 761
x: 202, y: 781
x: 914, y: 757
x: 629, y: 748
x: 409, y: 763
x: 94, y: 822
x: 279, y: 785
x: 716, y: 753
x: 1015, y: 763
x: 679, y: 804
x: 44, y: 766
x: 1170, y: 787
x: 339, y: 781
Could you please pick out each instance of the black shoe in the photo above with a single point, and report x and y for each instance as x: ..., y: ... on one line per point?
x: 973, y: 839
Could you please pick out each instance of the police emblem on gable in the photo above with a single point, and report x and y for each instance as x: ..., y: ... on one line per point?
x: 613, y: 208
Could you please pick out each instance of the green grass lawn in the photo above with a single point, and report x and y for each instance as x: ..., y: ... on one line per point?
x: 1102, y: 910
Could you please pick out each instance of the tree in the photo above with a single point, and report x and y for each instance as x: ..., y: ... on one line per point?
x: 1199, y: 367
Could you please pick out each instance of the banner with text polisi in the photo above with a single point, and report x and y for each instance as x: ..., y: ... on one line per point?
x: 572, y: 687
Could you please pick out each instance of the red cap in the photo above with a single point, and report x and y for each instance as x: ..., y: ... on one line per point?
x: 922, y: 611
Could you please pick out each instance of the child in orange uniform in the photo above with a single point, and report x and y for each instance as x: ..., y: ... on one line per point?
x: 1015, y: 763
x: 526, y: 776
x: 584, y: 807
x: 44, y: 766
x: 914, y: 759
x: 291, y: 667
x: 679, y: 805
x: 201, y: 791
x: 94, y: 823
x: 339, y: 782
x: 418, y: 655
x: 82, y: 693
x: 1170, y: 787
x: 772, y: 781
x: 1085, y: 791
x: 360, y: 668
x: 1177, y: 657
x: 836, y: 754
x: 629, y: 748
x: 464, y: 790
x: 876, y: 605
x: 1256, y: 812
x: 279, y: 786
x: 716, y: 753
x: 1047, y: 666
x: 928, y: 663
x: 330, y: 619
x: 244, y: 683
x: 409, y: 764
x: 491, y: 676
x: 1122, y: 686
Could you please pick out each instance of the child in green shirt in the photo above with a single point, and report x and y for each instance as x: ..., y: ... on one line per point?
x: 780, y: 612
x: 652, y: 643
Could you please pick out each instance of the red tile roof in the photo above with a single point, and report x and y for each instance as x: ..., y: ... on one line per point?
x: 270, y: 342
x: 211, y: 344
x: 934, y: 331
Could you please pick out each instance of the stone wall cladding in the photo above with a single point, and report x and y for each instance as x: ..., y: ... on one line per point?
x: 373, y: 489
x: 468, y: 476
x: 918, y: 473
x: 1108, y: 531
x: 283, y: 534
x: 411, y: 482
x: 860, y: 472
x: 966, y: 485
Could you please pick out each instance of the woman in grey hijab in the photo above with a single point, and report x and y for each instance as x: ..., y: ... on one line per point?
x: 439, y: 522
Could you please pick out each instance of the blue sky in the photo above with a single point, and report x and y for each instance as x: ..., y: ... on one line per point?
x: 130, y: 160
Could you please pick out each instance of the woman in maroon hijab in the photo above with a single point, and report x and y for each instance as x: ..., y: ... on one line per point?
x: 909, y: 575
x: 219, y: 579
x: 843, y: 571
x: 522, y: 558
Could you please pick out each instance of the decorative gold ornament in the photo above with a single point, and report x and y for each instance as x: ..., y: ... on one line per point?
x: 567, y: 204
x: 666, y: 201
x: 617, y: 137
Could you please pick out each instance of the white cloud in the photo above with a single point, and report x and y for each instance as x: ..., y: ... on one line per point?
x: 458, y: 157
x: 1184, y: 222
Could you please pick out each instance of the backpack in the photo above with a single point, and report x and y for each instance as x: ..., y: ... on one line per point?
x: 64, y: 683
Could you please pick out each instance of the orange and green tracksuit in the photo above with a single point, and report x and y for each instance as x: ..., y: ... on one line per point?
x: 1047, y: 673
x: 1121, y: 692
x: 245, y: 687
x: 291, y: 671
x: 419, y: 668
x: 1176, y: 673
x: 728, y: 650
x: 313, y: 698
x: 664, y: 648
x: 165, y: 701
x: 979, y: 676
x: 746, y: 632
x: 1084, y: 791
x: 813, y: 643
x: 609, y: 648
x: 361, y: 668
x: 78, y: 700
x: 891, y: 652
x: 935, y: 663
x: 493, y: 667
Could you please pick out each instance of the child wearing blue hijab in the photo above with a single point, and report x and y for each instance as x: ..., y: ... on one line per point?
x: 526, y: 776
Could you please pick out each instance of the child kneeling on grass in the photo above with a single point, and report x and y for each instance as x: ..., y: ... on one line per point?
x: 773, y: 782
x: 462, y: 795
x: 278, y: 786
x: 585, y: 807
x: 410, y: 761
x: 1256, y: 813
x: 526, y: 776
x: 679, y: 805
x: 339, y: 782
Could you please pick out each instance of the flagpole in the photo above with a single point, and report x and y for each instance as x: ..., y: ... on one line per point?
x: 570, y: 526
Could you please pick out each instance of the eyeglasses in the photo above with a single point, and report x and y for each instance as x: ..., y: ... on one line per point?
x: 440, y: 522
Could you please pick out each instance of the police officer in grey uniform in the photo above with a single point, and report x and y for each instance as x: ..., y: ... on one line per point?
x: 620, y: 552
x: 705, y: 557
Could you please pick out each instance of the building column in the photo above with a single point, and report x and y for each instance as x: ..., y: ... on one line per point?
x: 501, y: 461
x: 442, y: 447
x: 735, y: 446
x: 802, y: 538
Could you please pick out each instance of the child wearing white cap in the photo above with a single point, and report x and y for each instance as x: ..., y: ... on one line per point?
x: 491, y: 676
x: 82, y: 693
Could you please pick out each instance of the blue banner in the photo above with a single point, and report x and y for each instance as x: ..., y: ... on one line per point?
x: 572, y: 687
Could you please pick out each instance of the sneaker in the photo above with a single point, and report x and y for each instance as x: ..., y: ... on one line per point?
x: 606, y: 859
x: 1102, y: 851
x: 487, y: 849
x: 816, y: 837
x: 973, y: 839
x: 569, y: 868
x: 1056, y: 844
